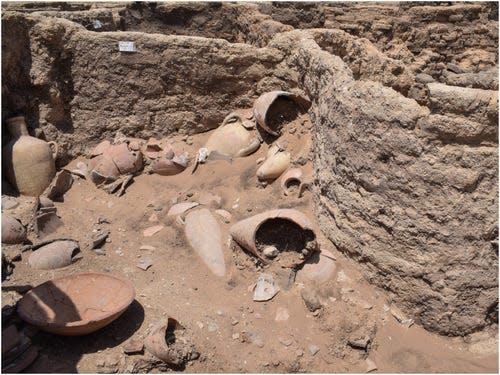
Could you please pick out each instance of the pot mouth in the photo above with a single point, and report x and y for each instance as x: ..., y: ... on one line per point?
x: 284, y: 234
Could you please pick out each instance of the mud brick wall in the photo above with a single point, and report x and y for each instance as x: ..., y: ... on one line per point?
x: 408, y: 191
x: 74, y: 86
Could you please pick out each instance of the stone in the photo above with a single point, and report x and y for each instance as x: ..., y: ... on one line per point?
x: 151, y: 231
x: 270, y: 252
x: 313, y: 349
x: 225, y: 215
x: 311, y: 299
x: 360, y: 343
x: 286, y: 342
x: 133, y: 346
x: 8, y: 202
x: 212, y: 327
x: 282, y: 314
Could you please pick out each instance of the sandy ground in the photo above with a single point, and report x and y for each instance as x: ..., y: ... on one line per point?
x: 219, y: 312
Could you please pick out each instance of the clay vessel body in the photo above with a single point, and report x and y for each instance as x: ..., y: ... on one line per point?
x: 28, y: 161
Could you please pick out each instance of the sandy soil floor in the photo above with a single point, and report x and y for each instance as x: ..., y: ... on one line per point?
x: 219, y: 312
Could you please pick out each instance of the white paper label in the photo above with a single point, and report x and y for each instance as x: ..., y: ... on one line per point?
x: 126, y: 46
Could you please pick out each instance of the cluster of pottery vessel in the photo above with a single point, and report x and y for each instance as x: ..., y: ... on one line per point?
x: 82, y: 303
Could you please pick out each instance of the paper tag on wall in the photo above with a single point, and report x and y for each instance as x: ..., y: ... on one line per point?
x: 126, y: 46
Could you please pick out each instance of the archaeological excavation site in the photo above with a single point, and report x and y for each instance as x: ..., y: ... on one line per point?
x: 249, y: 187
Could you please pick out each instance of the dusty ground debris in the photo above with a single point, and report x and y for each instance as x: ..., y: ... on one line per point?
x: 346, y: 151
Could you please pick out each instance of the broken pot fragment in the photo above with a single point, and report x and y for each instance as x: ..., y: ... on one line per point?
x: 12, y: 230
x: 167, y: 342
x: 293, y: 175
x: 289, y: 230
x: 54, y: 255
x: 265, y: 289
x: 204, y: 235
x: 270, y: 107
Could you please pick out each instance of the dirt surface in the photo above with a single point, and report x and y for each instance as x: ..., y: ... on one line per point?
x: 232, y: 332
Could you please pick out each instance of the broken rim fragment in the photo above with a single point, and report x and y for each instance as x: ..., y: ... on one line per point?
x: 12, y: 230
x: 76, y: 304
x: 265, y: 102
x: 293, y: 175
x: 265, y: 229
x: 54, y: 255
x: 159, y: 340
x: 204, y: 235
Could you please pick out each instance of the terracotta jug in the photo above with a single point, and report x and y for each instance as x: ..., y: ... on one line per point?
x: 29, y: 162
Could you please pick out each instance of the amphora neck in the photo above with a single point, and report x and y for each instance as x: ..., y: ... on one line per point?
x: 17, y: 126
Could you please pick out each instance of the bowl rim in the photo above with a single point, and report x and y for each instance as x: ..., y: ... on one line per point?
x: 78, y: 323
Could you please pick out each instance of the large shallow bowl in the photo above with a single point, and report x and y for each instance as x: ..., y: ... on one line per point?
x: 76, y: 304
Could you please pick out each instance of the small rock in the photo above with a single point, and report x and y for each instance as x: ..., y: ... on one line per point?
x: 367, y: 306
x: 189, y: 194
x: 234, y: 322
x: 286, y: 342
x: 226, y: 216
x: 299, y: 353
x: 133, y: 346
x: 147, y: 247
x: 270, y: 252
x: 253, y: 338
x: 145, y: 263
x: 360, y: 343
x: 311, y: 299
x: 212, y: 327
x: 8, y: 202
x: 235, y: 336
x: 370, y: 365
x: 148, y: 232
x: 281, y: 314
x: 99, y: 252
x: 153, y: 218
x: 292, y: 130
x: 313, y: 349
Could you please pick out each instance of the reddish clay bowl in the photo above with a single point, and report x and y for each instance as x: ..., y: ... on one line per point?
x: 77, y: 304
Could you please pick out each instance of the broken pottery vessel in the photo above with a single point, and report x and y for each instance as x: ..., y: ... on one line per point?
x: 204, y: 235
x: 167, y: 342
x: 274, y: 166
x: 113, y: 161
x: 232, y: 138
x: 264, y: 103
x: 264, y: 229
x: 54, y: 255
x: 76, y: 304
x: 292, y: 175
x: 170, y: 164
x: 12, y: 230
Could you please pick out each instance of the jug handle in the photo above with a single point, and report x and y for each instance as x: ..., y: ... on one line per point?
x: 55, y: 149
